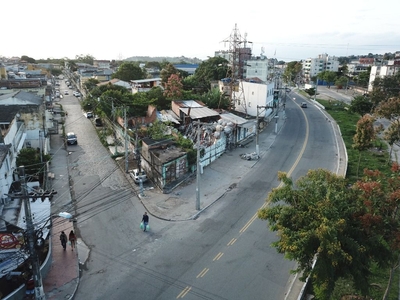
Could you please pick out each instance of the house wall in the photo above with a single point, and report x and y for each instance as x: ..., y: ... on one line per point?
x: 6, y: 177
x: 214, y: 151
x: 255, y: 94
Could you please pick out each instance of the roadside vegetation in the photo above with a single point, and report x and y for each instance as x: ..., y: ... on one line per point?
x: 350, y: 224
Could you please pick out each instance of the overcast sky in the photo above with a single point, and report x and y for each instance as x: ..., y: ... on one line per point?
x: 118, y: 29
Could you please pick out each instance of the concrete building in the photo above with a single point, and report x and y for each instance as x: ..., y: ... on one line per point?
x: 389, y: 69
x: 252, y: 93
x: 257, y: 67
x: 313, y: 66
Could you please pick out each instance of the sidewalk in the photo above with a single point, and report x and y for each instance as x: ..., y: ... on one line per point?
x: 63, y: 278
x: 217, y: 179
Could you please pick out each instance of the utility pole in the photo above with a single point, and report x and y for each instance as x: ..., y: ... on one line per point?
x: 37, y: 276
x: 316, y: 86
x: 126, y: 141
x: 198, y: 168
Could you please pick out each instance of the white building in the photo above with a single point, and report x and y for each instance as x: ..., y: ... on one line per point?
x: 313, y: 66
x: 257, y: 67
x: 252, y: 94
x: 381, y: 71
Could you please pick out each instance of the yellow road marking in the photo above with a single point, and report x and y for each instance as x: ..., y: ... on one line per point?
x: 303, y: 149
x: 231, y: 242
x: 219, y: 255
x: 203, y: 272
x: 184, y: 292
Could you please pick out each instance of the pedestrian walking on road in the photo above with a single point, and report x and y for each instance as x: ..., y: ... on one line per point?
x: 145, y: 221
x: 63, y: 239
x: 72, y: 239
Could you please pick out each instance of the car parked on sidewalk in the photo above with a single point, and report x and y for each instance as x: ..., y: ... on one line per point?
x: 137, y: 176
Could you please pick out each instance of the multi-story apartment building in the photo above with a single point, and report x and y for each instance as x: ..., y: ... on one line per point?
x: 257, y: 67
x: 390, y: 68
x: 313, y: 66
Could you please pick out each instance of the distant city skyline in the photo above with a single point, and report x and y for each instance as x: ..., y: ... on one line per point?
x: 287, y: 31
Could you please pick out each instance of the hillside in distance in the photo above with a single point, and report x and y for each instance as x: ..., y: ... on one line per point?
x: 173, y: 60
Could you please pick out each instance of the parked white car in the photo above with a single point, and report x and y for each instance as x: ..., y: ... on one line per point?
x: 76, y: 94
x: 137, y: 176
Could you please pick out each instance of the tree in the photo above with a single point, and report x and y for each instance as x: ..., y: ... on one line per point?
x: 212, y: 69
x: 328, y: 76
x: 128, y: 71
x: 363, y: 78
x: 86, y: 59
x: 173, y: 88
x: 390, y: 110
x: 30, y: 158
x: 384, y: 88
x: 341, y: 82
x: 90, y: 84
x: 347, y: 229
x: 157, y: 94
x: 215, y: 99
x: 28, y: 59
x: 378, y: 214
x: 361, y: 105
x: 166, y: 73
x: 315, y: 219
x: 292, y: 69
x: 365, y: 134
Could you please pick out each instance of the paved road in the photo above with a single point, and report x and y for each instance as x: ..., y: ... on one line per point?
x: 125, y: 262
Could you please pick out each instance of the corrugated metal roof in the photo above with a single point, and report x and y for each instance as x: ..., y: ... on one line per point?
x: 146, y: 80
x: 199, y: 112
x: 233, y: 118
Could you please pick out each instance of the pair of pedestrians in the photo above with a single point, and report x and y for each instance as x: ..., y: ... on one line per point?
x: 71, y: 238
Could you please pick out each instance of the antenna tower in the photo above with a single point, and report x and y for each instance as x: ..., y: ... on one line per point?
x: 235, y: 68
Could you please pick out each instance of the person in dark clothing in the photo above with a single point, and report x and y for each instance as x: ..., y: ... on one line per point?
x: 145, y: 221
x: 63, y: 239
x: 72, y: 239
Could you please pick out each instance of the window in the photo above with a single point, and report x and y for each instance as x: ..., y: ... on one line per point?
x: 249, y: 104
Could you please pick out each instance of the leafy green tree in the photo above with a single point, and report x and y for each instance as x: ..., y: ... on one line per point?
x: 315, y: 220
x: 215, y: 99
x: 292, y: 70
x: 365, y: 135
x: 128, y: 71
x: 90, y: 84
x: 153, y: 64
x: 71, y: 65
x: 166, y: 73
x: 55, y: 72
x: 138, y: 107
x: 28, y: 59
x: 342, y: 82
x: 87, y: 59
x: 361, y: 105
x: 160, y: 101
x: 390, y: 110
x: 363, y: 78
x: 385, y: 88
x: 190, y: 83
x: 328, y: 76
x: 30, y: 159
x: 214, y: 68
